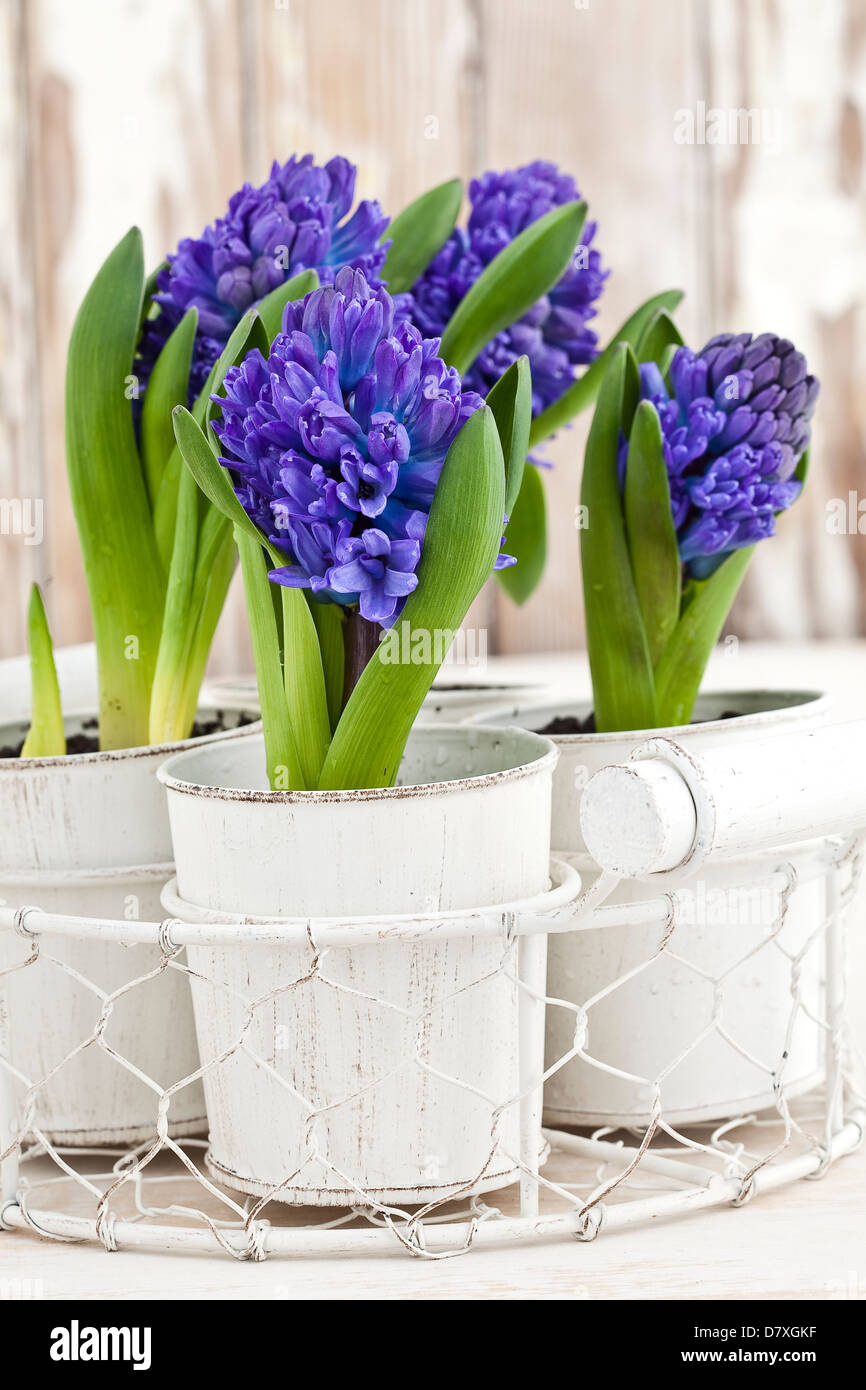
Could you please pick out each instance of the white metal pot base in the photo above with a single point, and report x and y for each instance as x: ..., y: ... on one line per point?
x: 590, y: 1184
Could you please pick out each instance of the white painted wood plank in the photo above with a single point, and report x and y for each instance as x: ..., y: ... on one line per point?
x: 790, y: 258
x: 136, y: 120
x: 22, y: 483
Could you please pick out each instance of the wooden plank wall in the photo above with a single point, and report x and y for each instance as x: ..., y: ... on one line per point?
x: 153, y: 111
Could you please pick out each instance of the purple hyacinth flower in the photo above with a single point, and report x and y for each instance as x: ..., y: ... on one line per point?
x: 555, y: 333
x: 337, y: 441
x: 734, y: 430
x: 296, y: 220
x: 378, y: 568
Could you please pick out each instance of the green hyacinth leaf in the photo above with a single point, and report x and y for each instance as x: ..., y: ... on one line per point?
x: 460, y: 548
x: 304, y: 680
x: 801, y: 472
x: 210, y: 475
x: 619, y: 655
x: 207, y: 607
x: 199, y: 568
x: 652, y: 538
x: 328, y: 618
x: 584, y: 391
x: 168, y: 386
x: 250, y: 333
x: 660, y: 334
x: 109, y: 496
x: 418, y: 233
x: 511, y: 403
x: 167, y: 705
x: 247, y: 334
x: 47, y: 736
x: 513, y: 281
x: 281, y: 752
x: 706, y: 604
x: 149, y: 309
x: 526, y: 539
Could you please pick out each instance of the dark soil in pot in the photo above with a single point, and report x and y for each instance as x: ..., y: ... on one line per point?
x: 87, y: 741
x: 567, y: 724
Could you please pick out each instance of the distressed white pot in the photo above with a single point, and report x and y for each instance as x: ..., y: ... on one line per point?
x: 88, y: 835
x: 468, y: 828
x: 652, y: 1019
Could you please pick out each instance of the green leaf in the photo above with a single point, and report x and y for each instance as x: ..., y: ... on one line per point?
x: 47, y: 736
x: 249, y: 333
x: 619, y: 656
x: 210, y: 475
x: 512, y: 282
x: 418, y: 233
x: 801, y: 472
x: 511, y: 403
x: 168, y: 387
x: 201, y: 563
x: 167, y: 706
x: 270, y: 309
x: 109, y: 497
x: 652, y: 539
x: 460, y: 548
x: 680, y: 671
x: 306, y: 700
x: 526, y: 539
x: 586, y: 388
x: 283, y: 762
x: 205, y: 610
x: 328, y: 618
x: 660, y: 334
x: 148, y: 307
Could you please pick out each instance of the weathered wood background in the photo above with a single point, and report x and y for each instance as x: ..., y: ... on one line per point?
x: 153, y: 111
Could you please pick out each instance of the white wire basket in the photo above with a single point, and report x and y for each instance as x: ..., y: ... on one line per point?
x: 162, y: 1194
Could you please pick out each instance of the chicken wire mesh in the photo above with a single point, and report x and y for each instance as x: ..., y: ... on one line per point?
x: 169, y: 1191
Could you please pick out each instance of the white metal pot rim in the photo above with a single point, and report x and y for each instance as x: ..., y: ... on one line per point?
x: 496, y: 692
x: 816, y: 700
x: 83, y: 878
x: 546, y: 755
x: 550, y: 910
x: 108, y: 755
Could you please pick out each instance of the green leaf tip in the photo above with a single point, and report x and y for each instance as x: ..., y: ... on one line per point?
x: 418, y: 233
x: 47, y: 736
x: 512, y: 282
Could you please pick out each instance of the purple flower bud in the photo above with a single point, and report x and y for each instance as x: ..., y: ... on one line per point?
x: 346, y: 424
x: 734, y: 431
x: 555, y: 333
x: 293, y: 221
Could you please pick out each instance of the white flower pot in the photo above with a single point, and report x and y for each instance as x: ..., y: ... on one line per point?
x: 664, y: 1013
x: 468, y: 828
x: 88, y: 835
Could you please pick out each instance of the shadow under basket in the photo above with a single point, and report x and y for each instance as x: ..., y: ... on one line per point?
x: 382, y: 1064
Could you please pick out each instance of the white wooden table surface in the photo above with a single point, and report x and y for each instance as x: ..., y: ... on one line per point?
x: 805, y: 1241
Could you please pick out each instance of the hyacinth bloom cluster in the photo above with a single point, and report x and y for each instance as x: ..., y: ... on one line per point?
x: 555, y: 333
x: 337, y: 440
x: 734, y: 430
x: 296, y: 220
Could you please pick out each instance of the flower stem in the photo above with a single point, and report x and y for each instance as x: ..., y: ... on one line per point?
x: 361, y: 639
